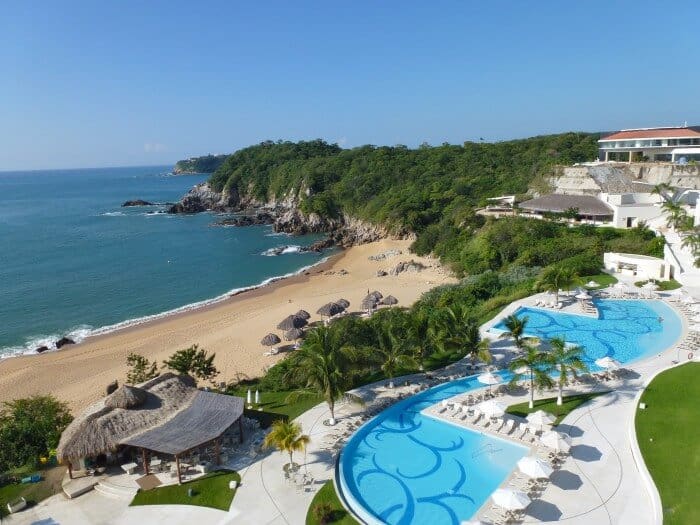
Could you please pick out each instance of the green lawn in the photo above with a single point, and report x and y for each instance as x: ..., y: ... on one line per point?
x: 668, y: 438
x: 664, y: 286
x: 208, y: 491
x: 327, y: 494
x: 550, y: 405
x: 274, y: 402
x: 49, y: 485
x: 603, y: 279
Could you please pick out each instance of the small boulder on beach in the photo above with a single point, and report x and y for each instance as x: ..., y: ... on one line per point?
x: 63, y: 341
x: 41, y: 349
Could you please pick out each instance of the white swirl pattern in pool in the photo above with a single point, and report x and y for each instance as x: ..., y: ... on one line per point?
x: 406, y: 468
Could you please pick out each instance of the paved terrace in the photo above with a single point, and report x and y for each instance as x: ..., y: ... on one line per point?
x: 601, y: 481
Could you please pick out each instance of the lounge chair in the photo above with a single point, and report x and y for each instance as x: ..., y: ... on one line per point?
x: 507, y: 426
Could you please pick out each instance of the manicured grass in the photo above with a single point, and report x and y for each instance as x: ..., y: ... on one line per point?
x: 569, y: 403
x: 668, y: 438
x: 49, y: 485
x: 664, y: 286
x: 327, y: 494
x: 603, y: 279
x: 274, y: 402
x: 208, y: 491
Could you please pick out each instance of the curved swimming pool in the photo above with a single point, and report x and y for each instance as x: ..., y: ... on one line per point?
x: 406, y: 468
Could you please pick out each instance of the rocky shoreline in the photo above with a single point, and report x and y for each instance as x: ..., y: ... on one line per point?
x: 284, y: 216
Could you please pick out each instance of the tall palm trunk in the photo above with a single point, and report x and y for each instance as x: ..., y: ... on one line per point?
x: 532, y: 390
x: 331, y: 405
x: 291, y: 463
x: 561, y: 385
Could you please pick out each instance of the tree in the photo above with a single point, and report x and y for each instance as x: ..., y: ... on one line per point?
x: 392, y: 353
x: 193, y: 362
x: 325, y: 367
x: 555, y: 277
x: 566, y: 360
x: 140, y: 369
x: 535, y: 365
x: 286, y: 436
x: 30, y: 428
x: 516, y: 329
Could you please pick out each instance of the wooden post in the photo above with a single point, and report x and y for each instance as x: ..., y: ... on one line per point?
x: 177, y: 466
x: 240, y: 428
x: 70, y: 470
x: 145, y: 461
x: 217, y: 450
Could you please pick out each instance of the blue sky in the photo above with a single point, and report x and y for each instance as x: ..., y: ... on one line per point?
x: 133, y: 83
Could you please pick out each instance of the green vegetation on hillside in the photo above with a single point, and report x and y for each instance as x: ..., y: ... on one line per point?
x: 667, y: 437
x: 204, y: 164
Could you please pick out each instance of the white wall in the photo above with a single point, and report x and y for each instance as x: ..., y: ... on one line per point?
x: 647, y: 267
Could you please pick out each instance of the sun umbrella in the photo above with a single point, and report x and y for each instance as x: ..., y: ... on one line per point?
x: 369, y: 303
x: 694, y: 328
x: 303, y: 314
x: 592, y: 284
x: 489, y: 378
x: 492, y: 408
x: 583, y: 296
x: 377, y: 295
x: 293, y: 334
x: 329, y: 309
x: 540, y: 418
x: 249, y: 399
x: 270, y: 340
x: 510, y: 499
x: 688, y: 300
x: 390, y: 300
x: 343, y: 302
x: 556, y: 441
x: 534, y: 468
x: 292, y: 321
x: 257, y: 397
x: 608, y: 363
x: 651, y: 285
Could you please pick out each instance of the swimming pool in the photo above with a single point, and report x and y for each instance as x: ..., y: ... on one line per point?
x: 626, y: 330
x: 406, y: 468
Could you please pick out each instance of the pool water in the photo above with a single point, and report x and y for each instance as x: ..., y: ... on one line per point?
x: 626, y: 330
x: 406, y: 468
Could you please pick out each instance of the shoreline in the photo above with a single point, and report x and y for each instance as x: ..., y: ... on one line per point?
x: 232, y: 327
x: 129, y: 324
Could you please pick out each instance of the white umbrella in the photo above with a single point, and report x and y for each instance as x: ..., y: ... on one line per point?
x: 688, y: 300
x: 540, y: 418
x: 534, y: 468
x: 592, y: 284
x: 695, y: 328
x: 583, y: 296
x: 492, y: 408
x: 696, y: 319
x: 257, y: 397
x: 510, y: 499
x: 250, y: 397
x: 651, y: 285
x: 608, y: 363
x: 556, y: 441
x: 489, y: 378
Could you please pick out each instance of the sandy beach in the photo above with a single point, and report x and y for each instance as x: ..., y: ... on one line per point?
x: 231, y: 328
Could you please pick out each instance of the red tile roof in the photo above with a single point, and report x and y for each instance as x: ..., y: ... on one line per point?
x: 659, y: 133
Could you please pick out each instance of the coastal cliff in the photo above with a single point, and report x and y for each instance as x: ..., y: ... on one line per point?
x: 204, y: 164
x: 285, y: 216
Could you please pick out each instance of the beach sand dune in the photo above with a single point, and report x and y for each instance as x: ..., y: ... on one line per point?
x: 231, y: 328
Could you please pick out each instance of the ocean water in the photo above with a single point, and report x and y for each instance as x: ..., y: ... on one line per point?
x: 74, y: 262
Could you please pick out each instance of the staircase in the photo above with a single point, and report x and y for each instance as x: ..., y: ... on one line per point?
x: 108, y: 487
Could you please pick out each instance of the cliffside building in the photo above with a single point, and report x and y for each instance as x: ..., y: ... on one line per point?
x: 673, y: 144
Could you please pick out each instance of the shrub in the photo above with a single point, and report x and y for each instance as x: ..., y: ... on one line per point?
x: 323, y: 512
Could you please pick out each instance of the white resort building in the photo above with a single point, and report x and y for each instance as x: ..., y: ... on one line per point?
x: 672, y: 144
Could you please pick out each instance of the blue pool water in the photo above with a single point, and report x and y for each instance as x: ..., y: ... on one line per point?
x: 406, y: 468
x: 626, y: 330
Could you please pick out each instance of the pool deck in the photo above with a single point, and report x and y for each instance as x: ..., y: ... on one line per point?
x: 600, y: 482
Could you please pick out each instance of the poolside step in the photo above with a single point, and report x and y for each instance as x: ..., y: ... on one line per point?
x: 111, y: 490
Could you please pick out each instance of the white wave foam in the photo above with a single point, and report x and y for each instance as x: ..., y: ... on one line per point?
x: 112, y: 214
x: 277, y: 234
x: 281, y: 250
x: 82, y: 332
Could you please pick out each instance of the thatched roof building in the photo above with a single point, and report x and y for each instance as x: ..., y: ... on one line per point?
x: 166, y: 414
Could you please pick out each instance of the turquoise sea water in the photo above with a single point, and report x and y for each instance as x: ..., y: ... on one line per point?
x: 73, y: 261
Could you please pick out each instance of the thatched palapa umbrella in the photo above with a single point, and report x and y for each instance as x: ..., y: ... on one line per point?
x: 330, y: 309
x: 390, y: 300
x: 377, y: 295
x: 294, y: 334
x: 303, y: 314
x: 292, y: 321
x: 344, y: 303
x: 369, y: 303
x: 126, y: 397
x: 270, y: 340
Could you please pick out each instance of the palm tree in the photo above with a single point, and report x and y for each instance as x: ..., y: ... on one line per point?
x: 455, y: 330
x: 286, y: 436
x: 392, y: 353
x: 326, y: 368
x: 420, y: 334
x: 566, y: 360
x: 555, y: 277
x: 537, y: 366
x: 476, y: 347
x: 516, y: 329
